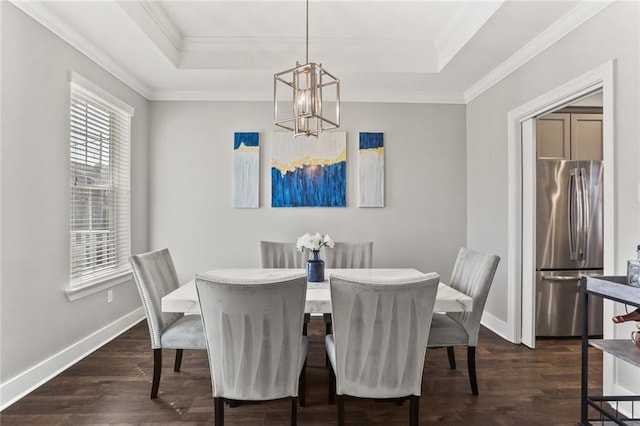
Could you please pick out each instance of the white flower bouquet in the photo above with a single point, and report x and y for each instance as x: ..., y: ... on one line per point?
x: 314, y: 242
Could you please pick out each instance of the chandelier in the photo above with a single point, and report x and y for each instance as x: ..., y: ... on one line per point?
x: 307, y: 87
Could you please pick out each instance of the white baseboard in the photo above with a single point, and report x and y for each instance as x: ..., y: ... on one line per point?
x: 496, y: 325
x: 19, y: 386
x: 624, y: 408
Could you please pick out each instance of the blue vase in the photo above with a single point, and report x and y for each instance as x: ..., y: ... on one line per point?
x: 315, y: 268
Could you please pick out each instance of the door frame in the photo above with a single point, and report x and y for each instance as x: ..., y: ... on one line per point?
x: 521, y: 192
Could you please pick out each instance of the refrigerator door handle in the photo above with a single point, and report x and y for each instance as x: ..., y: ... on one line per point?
x: 573, y: 215
x: 584, y: 221
x: 560, y: 278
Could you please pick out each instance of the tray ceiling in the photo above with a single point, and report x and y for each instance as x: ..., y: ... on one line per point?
x: 389, y: 51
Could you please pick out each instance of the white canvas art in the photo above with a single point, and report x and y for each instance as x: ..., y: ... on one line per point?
x: 246, y: 170
x: 371, y: 170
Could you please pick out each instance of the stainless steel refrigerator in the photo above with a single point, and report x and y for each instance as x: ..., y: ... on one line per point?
x: 568, y: 244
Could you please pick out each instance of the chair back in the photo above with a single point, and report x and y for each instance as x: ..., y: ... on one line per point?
x: 155, y: 276
x: 349, y: 255
x: 472, y: 275
x: 380, y: 332
x: 275, y: 254
x: 253, y: 330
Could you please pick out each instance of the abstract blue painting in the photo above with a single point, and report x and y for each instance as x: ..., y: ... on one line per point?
x: 309, y: 172
x: 371, y: 174
x: 246, y: 169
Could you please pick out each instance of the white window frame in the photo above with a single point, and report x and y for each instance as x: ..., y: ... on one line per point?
x: 87, y: 274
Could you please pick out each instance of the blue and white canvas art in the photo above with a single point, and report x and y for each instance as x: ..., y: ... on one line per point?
x: 371, y: 174
x: 246, y: 169
x: 309, y: 172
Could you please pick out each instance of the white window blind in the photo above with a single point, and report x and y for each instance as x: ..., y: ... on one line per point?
x: 100, y: 188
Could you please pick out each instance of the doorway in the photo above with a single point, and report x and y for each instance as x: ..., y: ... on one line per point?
x: 521, y: 223
x: 568, y: 215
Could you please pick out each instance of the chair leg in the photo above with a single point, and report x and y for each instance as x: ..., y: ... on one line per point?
x: 452, y: 357
x: 157, y: 370
x: 328, y: 329
x: 302, y: 383
x: 294, y: 411
x: 218, y: 408
x: 471, y: 366
x: 178, y: 362
x: 327, y: 323
x: 340, y: 410
x: 414, y: 410
x: 307, y: 319
x: 332, y: 384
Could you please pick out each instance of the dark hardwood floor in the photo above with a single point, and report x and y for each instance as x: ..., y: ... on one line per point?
x: 517, y: 385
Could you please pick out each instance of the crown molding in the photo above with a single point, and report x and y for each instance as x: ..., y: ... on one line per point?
x: 266, y: 96
x: 43, y: 15
x: 569, y: 22
x: 152, y: 19
x: 163, y: 22
x: 407, y: 98
x: 207, y: 95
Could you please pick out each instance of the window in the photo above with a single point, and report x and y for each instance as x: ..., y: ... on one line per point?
x: 100, y: 168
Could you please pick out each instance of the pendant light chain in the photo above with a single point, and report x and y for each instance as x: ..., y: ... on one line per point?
x: 307, y: 57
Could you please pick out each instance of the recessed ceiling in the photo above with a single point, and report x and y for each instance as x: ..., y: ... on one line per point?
x: 389, y: 51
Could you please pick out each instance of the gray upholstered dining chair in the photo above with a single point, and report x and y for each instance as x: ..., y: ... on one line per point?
x: 380, y: 332
x: 254, y: 338
x: 155, y: 276
x: 349, y: 255
x: 472, y: 275
x: 275, y: 254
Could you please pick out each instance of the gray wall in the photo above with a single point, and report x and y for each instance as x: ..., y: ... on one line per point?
x: 579, y: 52
x: 422, y: 224
x: 37, y: 321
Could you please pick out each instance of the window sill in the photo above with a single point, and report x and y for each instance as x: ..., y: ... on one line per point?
x: 78, y: 292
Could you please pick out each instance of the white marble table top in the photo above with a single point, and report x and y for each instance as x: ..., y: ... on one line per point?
x: 185, y: 298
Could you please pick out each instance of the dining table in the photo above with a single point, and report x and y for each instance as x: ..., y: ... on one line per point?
x: 184, y: 299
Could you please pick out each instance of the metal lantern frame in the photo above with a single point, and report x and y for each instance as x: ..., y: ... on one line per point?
x: 306, y: 86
